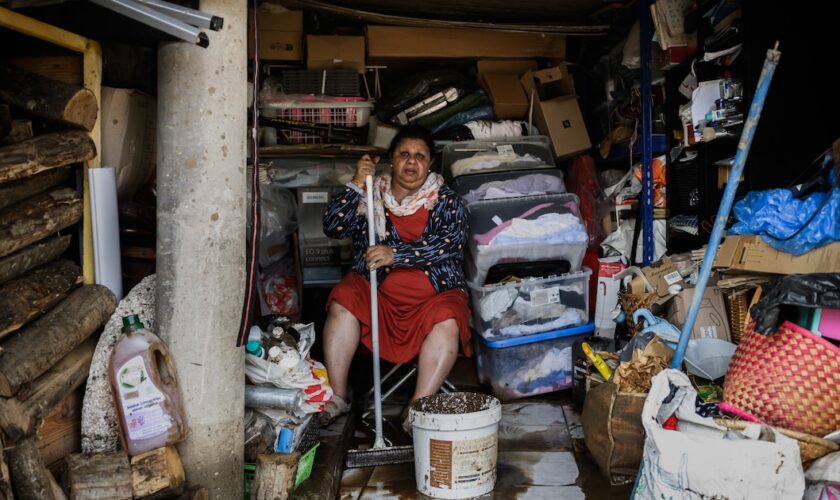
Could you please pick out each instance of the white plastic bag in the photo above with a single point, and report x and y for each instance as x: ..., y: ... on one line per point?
x: 308, y: 375
x: 702, y: 460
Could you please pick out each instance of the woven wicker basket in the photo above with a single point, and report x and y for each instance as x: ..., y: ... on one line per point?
x: 789, y: 379
x: 737, y: 307
x: 810, y: 447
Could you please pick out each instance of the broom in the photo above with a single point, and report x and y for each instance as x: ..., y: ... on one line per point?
x: 380, y: 453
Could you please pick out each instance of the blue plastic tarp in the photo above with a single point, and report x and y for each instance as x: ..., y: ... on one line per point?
x: 776, y: 214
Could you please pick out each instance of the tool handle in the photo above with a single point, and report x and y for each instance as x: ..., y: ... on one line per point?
x: 597, y: 360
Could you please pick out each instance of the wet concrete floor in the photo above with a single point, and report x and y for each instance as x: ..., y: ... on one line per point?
x: 541, y: 453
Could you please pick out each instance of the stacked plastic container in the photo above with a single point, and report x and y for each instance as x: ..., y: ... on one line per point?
x: 524, y: 225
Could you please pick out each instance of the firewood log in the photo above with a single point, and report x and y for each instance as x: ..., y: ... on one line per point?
x: 27, y: 297
x: 47, y: 98
x: 38, y: 217
x: 44, y: 152
x: 42, y: 344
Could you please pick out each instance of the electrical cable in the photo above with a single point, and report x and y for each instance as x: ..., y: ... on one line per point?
x: 816, y: 212
x: 253, y: 238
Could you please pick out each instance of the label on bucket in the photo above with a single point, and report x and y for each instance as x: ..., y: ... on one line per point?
x: 462, y: 464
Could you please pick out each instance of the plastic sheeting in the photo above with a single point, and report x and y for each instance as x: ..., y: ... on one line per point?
x: 805, y: 290
x: 416, y: 89
x: 776, y: 214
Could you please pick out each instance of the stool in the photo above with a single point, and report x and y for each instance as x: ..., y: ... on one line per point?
x: 446, y: 386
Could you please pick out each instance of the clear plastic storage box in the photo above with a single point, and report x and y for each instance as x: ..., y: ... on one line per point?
x: 475, y: 157
x: 530, y: 306
x: 489, y: 218
x: 311, y: 172
x: 316, y: 249
x: 468, y: 186
x: 526, y: 366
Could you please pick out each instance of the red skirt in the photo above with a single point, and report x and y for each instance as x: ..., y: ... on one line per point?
x: 409, y: 308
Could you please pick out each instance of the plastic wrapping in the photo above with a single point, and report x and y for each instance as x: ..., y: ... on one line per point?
x: 416, y: 88
x: 484, y: 130
x: 804, y: 290
x: 457, y: 122
x: 440, y: 119
x: 776, y: 214
x: 582, y: 181
x: 278, y: 220
x: 308, y: 375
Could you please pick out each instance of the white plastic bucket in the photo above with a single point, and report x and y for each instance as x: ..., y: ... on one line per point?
x: 455, y: 444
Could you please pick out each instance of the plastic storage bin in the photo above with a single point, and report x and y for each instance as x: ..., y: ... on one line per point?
x: 530, y: 365
x: 311, y: 172
x: 316, y: 249
x: 465, y: 184
x: 533, y: 305
x: 343, y: 111
x: 523, y: 153
x: 485, y: 216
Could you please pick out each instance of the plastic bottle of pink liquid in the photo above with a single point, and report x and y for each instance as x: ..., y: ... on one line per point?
x: 145, y: 390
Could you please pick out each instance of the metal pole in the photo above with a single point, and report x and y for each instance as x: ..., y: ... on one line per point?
x: 379, y: 442
x: 157, y: 20
x: 190, y: 16
x: 646, y: 212
x: 744, y: 144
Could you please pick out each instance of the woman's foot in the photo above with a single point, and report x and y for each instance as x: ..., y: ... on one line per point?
x: 333, y: 409
x: 405, y: 418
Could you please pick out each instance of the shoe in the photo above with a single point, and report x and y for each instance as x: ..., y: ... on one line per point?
x: 333, y: 409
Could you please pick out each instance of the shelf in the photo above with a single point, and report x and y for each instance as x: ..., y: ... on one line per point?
x: 92, y: 71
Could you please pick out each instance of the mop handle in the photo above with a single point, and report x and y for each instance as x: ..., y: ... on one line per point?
x: 744, y: 144
x: 379, y: 442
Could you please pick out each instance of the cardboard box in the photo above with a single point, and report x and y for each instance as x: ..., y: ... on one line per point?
x: 750, y: 253
x: 561, y: 120
x: 549, y: 83
x: 556, y: 110
x: 280, y: 35
x: 660, y: 276
x: 129, y: 135
x: 335, y: 52
x: 384, y: 42
x: 712, y: 321
x: 504, y: 89
x: 516, y: 67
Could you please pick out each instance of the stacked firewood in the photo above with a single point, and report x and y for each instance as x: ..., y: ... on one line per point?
x: 47, y: 316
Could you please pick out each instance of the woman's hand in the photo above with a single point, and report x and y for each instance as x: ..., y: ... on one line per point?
x: 364, y: 167
x: 379, y: 256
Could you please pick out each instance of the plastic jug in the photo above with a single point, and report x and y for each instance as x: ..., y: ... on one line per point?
x: 145, y: 390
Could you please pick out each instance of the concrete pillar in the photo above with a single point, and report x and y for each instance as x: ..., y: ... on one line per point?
x: 201, y: 206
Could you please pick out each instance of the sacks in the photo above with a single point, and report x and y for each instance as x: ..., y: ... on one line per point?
x: 703, y: 460
x: 789, y: 379
x: 612, y: 429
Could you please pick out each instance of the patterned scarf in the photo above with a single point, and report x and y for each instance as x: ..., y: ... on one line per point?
x: 425, y: 197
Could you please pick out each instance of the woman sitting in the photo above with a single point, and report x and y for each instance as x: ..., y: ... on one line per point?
x: 421, y: 230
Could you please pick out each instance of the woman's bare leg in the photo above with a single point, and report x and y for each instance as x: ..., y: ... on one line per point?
x: 341, y: 338
x: 437, y: 356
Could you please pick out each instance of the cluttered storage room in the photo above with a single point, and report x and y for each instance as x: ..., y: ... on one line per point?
x: 333, y: 249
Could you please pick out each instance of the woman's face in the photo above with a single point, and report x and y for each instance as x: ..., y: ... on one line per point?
x: 411, y: 161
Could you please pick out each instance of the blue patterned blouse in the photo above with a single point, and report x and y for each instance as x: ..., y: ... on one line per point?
x: 439, y: 251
